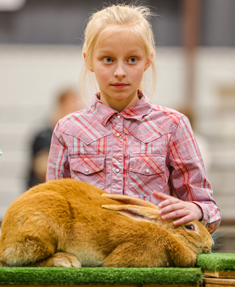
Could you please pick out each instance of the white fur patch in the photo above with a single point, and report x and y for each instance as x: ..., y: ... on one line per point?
x: 89, y: 257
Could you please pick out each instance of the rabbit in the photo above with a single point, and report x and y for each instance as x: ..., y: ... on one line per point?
x: 69, y: 223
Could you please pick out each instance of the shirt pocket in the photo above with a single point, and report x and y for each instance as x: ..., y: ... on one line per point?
x: 146, y: 174
x: 88, y: 168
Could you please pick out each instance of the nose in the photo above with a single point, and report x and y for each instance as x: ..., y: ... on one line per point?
x: 120, y: 70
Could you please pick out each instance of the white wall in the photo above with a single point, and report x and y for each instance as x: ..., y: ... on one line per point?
x: 31, y: 77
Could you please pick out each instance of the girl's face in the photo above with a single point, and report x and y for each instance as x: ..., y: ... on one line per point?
x: 119, y: 62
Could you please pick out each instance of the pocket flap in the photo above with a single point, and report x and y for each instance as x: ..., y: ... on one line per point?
x: 147, y: 164
x: 87, y: 164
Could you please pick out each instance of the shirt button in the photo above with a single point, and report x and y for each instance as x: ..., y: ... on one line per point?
x: 147, y: 171
x: 118, y: 116
x: 86, y: 170
x: 117, y: 134
x: 117, y: 170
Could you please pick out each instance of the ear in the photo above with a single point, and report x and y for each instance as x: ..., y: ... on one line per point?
x: 88, y: 64
x: 129, y: 200
x: 149, y: 62
x: 139, y: 213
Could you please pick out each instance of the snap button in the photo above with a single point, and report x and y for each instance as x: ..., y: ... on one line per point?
x: 147, y: 171
x: 117, y: 170
x: 117, y: 134
x: 118, y: 116
x: 86, y: 170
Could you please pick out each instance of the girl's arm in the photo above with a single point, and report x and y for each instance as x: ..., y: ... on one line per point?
x: 58, y: 166
x: 191, y: 190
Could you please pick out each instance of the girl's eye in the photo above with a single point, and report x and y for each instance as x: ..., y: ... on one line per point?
x: 132, y: 60
x: 107, y: 60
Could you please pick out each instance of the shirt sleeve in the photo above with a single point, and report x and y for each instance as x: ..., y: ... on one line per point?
x: 188, y: 177
x: 58, y: 166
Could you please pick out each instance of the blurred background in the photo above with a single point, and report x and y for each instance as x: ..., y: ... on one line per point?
x: 40, y: 57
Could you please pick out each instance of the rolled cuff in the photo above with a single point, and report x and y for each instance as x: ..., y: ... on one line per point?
x: 211, y: 216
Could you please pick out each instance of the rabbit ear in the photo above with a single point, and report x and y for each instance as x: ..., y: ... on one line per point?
x: 129, y: 200
x: 140, y: 213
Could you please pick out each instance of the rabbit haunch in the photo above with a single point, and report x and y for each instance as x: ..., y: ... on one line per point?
x: 72, y: 224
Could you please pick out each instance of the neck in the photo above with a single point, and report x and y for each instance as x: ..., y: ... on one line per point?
x: 120, y: 104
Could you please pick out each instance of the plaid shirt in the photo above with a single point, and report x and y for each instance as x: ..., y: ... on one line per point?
x: 144, y: 148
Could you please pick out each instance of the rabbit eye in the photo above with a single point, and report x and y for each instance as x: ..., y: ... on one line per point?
x: 190, y: 227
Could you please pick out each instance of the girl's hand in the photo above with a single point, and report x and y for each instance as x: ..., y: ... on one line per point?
x: 172, y: 207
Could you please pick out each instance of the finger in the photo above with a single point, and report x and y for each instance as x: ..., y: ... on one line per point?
x: 169, y: 207
x: 174, y: 214
x: 169, y: 201
x: 161, y: 195
x: 166, y: 199
x: 183, y: 220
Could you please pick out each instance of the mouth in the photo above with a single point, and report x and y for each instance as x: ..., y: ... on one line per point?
x: 206, y: 251
x: 119, y: 85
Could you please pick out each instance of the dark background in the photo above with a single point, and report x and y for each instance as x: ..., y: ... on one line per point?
x: 63, y: 22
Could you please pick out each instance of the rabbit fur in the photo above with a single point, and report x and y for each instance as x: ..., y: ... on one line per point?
x: 69, y: 223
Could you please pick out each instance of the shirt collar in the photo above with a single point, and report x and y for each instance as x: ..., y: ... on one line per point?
x: 103, y: 113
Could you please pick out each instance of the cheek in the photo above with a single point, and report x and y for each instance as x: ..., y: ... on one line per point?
x: 102, y: 74
x: 138, y: 74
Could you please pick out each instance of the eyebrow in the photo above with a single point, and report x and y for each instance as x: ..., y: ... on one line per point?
x: 110, y: 51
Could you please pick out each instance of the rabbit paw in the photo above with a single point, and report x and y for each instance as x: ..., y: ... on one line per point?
x: 3, y: 264
x: 63, y: 259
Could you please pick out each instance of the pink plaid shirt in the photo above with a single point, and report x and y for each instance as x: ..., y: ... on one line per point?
x: 144, y: 148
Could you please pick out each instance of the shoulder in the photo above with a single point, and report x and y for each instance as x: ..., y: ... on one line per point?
x: 166, y: 117
x: 74, y: 119
x: 167, y: 113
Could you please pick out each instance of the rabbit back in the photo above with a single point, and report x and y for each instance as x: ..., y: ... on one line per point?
x: 64, y: 218
x: 43, y: 220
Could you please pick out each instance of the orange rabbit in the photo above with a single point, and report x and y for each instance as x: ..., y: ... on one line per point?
x: 72, y: 224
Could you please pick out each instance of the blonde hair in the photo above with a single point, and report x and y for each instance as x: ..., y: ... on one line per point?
x: 135, y: 18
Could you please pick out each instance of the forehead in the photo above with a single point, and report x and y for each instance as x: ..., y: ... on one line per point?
x: 119, y: 38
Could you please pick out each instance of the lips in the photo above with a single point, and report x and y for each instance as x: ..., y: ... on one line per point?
x: 119, y: 85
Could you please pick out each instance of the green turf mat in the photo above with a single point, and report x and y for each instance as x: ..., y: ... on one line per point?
x: 217, y: 261
x: 98, y: 276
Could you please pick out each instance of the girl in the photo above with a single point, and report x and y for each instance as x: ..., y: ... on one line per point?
x: 123, y: 143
